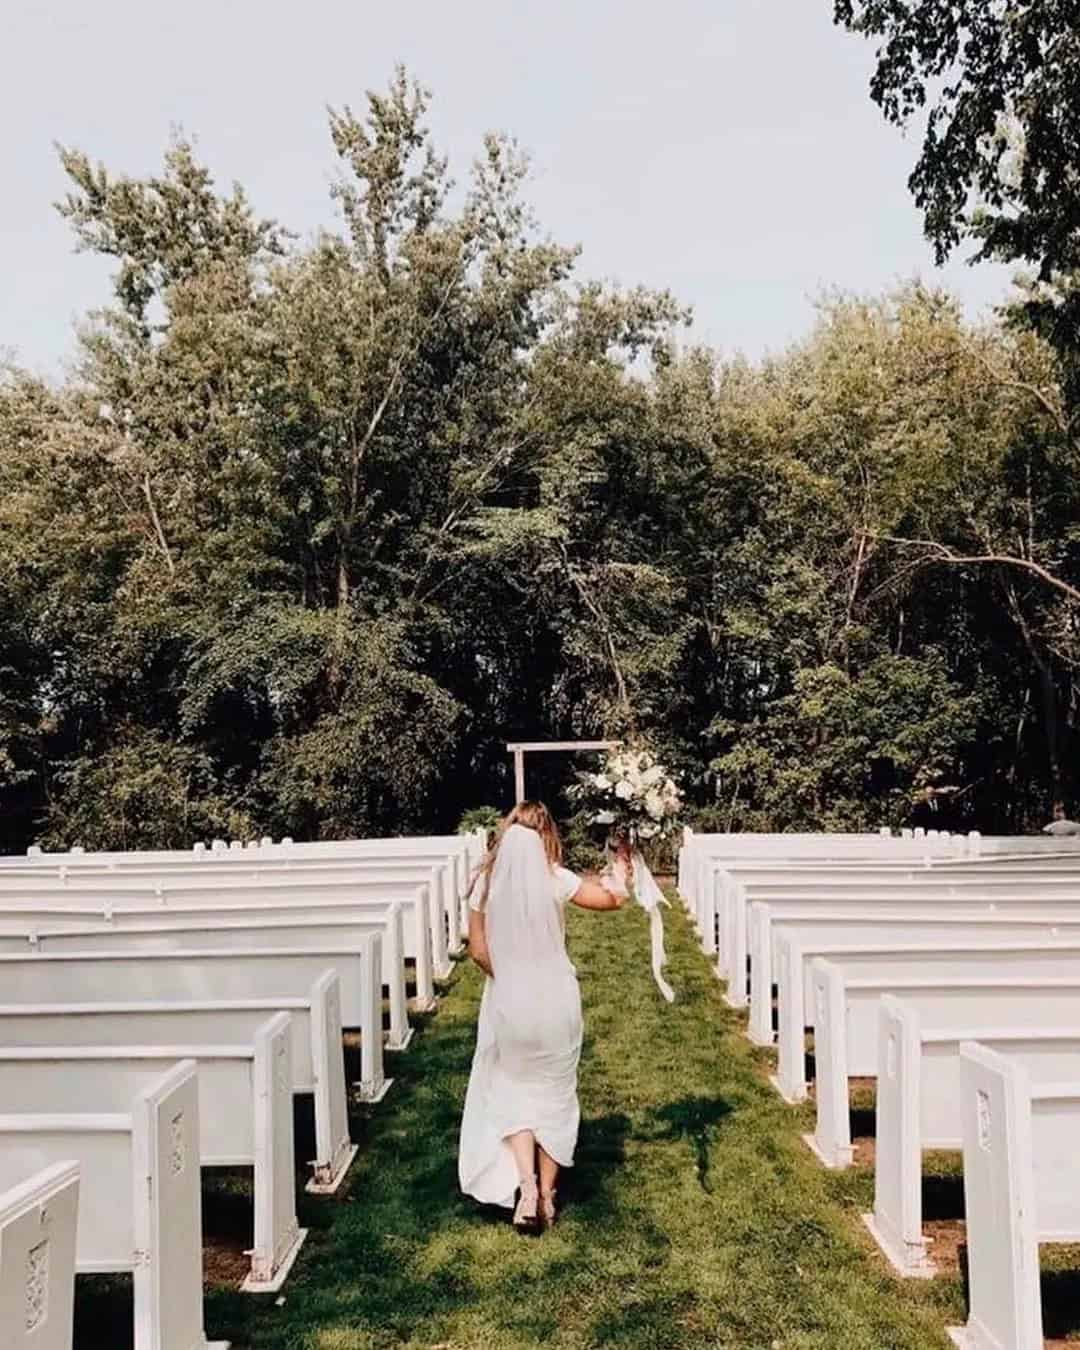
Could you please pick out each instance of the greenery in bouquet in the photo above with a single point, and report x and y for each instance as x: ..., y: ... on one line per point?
x: 632, y: 796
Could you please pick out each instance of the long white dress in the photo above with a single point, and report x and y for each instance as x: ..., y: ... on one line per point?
x: 528, y: 1037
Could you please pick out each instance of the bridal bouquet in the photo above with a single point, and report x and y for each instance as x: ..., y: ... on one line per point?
x: 636, y: 800
x: 633, y: 795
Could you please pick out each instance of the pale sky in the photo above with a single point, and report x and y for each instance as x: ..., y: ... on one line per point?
x: 726, y: 149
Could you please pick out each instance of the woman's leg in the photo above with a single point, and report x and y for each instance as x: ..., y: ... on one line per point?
x: 549, y: 1170
x: 523, y: 1147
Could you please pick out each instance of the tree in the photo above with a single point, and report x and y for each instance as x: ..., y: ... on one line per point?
x: 313, y: 529
x: 1000, y: 158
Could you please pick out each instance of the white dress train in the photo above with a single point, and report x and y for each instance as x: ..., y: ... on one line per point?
x: 528, y: 1037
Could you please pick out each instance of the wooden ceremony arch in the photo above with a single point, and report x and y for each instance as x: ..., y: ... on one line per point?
x: 519, y: 749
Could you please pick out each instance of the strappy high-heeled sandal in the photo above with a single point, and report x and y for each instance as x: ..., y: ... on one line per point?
x: 526, y: 1218
x: 548, y: 1208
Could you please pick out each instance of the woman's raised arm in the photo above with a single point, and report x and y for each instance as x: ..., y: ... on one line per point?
x: 593, y: 894
x: 603, y: 892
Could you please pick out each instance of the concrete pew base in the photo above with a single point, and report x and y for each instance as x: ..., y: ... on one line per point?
x: 327, y: 1180
x: 833, y: 1164
x: 372, y: 1096
x: 916, y: 1266
x: 281, y: 1274
x: 399, y: 1043
x: 792, y: 1098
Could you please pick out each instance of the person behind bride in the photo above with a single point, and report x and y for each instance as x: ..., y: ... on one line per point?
x: 521, y: 1108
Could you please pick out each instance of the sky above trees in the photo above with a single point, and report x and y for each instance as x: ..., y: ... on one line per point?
x: 729, y: 152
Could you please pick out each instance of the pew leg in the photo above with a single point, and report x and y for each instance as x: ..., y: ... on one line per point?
x: 327, y: 1177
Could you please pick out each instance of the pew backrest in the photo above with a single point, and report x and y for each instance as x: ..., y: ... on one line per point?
x: 140, y: 1205
x: 38, y: 1221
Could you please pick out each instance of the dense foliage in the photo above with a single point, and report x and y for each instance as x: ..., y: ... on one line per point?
x: 313, y: 529
x: 992, y: 83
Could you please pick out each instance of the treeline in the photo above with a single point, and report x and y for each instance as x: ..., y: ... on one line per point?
x: 314, y: 528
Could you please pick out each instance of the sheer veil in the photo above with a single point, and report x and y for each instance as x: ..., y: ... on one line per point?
x: 524, y: 923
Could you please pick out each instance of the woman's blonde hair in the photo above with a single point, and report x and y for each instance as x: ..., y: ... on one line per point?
x: 534, y: 816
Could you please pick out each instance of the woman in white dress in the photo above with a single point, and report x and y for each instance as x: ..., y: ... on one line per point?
x: 521, y: 1108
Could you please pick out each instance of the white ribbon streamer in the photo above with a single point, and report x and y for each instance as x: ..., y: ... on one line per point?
x: 650, y: 897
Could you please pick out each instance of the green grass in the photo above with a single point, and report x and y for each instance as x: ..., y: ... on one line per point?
x: 695, y: 1216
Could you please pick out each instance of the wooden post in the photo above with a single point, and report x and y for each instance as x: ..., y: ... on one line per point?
x: 518, y: 749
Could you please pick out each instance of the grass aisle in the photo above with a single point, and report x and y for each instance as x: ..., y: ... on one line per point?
x: 695, y: 1216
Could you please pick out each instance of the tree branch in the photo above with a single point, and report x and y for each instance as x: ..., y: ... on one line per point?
x: 147, y: 492
x: 941, y: 553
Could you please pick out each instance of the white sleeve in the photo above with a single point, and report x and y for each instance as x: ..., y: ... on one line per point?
x: 567, y: 884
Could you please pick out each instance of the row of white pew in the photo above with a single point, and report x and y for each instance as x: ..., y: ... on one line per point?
x: 112, y: 969
x: 896, y: 963
x: 421, y: 889
x: 454, y: 858
x: 706, y: 860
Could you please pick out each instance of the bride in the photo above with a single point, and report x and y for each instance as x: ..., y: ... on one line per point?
x: 521, y: 1108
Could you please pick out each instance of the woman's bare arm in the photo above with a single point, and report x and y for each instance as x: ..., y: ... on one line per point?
x: 606, y: 892
x: 478, y: 947
x: 593, y: 894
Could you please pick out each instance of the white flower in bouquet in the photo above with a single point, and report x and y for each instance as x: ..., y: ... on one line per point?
x: 654, y: 804
x: 604, y: 818
x: 624, y: 790
x: 603, y: 782
x: 648, y: 830
x: 653, y: 775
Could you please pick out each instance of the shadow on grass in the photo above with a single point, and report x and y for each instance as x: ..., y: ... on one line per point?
x: 695, y: 1120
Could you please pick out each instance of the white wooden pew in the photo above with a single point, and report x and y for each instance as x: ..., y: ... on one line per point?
x: 1021, y: 1187
x: 1016, y: 994
x: 732, y: 887
x: 417, y: 889
x: 976, y: 952
x: 879, y: 923
x: 194, y: 976
x: 26, y: 916
x: 741, y: 889
x: 140, y: 1204
x: 245, y: 1121
x: 920, y: 1102
x: 209, y: 932
x: 38, y: 1221
x: 706, y: 871
x: 448, y: 873
x: 701, y: 851
x: 697, y: 848
x: 317, y: 1057
x: 872, y: 888
x: 851, y: 920
x: 730, y: 884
